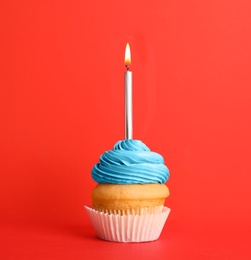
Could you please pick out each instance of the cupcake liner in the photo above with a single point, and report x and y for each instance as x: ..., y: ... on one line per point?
x: 149, y: 210
x: 128, y: 228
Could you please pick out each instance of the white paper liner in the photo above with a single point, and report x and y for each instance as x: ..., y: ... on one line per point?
x: 150, y: 210
x: 128, y: 228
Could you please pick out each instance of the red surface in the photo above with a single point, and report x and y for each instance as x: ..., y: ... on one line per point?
x: 61, y: 105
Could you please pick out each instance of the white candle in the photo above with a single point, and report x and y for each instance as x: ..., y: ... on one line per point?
x: 128, y: 94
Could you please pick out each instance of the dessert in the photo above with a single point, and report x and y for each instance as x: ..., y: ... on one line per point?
x: 128, y: 201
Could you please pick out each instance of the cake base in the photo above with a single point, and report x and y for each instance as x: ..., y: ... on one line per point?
x: 123, y: 197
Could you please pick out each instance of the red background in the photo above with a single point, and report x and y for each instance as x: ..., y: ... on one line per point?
x: 61, y: 105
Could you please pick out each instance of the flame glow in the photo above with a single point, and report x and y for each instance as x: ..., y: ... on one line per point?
x: 127, y: 55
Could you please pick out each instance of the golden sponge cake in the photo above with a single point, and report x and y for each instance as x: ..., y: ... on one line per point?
x: 118, y: 197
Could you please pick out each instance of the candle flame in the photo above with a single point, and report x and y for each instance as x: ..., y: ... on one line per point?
x: 127, y: 56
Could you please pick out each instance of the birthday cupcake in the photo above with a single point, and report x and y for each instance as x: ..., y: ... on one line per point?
x: 128, y: 201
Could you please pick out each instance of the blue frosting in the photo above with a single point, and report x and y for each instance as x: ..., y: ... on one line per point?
x: 130, y: 162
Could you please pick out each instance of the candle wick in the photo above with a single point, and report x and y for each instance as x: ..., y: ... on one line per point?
x: 127, y: 67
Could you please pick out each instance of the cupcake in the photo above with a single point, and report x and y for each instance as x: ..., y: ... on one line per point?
x: 128, y: 201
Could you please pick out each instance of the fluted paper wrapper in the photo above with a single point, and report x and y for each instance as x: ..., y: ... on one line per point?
x: 128, y: 228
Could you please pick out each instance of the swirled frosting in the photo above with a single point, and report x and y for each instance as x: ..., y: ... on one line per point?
x: 130, y: 162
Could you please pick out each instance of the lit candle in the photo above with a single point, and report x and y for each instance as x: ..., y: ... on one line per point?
x: 128, y: 94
